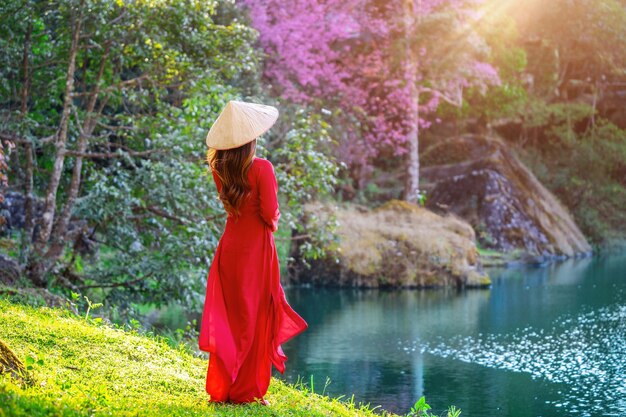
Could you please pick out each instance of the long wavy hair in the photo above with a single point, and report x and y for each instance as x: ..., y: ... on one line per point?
x: 231, y: 167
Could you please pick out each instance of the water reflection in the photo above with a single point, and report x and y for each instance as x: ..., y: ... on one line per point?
x: 586, y: 353
x: 542, y: 341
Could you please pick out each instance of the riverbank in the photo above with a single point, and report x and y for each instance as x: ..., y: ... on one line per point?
x: 83, y: 367
x: 492, y: 258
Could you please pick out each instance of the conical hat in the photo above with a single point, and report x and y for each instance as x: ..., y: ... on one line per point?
x: 239, y: 123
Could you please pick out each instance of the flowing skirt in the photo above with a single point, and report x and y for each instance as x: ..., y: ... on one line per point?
x: 246, y: 318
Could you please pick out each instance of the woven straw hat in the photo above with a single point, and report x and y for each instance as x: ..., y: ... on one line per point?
x: 240, y: 123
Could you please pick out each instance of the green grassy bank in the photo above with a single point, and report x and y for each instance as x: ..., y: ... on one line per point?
x: 83, y: 367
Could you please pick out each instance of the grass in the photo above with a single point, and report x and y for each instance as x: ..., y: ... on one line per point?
x: 83, y: 367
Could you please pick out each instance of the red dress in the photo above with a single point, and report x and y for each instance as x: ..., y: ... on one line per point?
x: 246, y: 317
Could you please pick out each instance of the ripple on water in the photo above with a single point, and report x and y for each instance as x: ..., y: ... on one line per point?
x: 587, y: 352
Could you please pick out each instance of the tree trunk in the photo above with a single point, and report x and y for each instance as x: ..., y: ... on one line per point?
x: 28, y: 194
x: 25, y: 70
x: 38, y: 264
x: 411, y: 183
x: 28, y: 146
x: 11, y: 364
x: 89, y: 124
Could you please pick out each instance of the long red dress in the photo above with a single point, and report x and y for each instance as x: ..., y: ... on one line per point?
x: 246, y: 316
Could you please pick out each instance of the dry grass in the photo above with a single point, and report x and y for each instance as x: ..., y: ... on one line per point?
x: 404, y: 245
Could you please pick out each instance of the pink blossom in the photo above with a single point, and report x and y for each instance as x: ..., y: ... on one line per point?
x: 348, y: 53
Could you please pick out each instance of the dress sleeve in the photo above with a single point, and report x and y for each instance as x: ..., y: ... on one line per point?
x: 268, y: 195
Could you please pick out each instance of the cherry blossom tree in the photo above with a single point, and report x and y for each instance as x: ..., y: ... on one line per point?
x: 385, y: 64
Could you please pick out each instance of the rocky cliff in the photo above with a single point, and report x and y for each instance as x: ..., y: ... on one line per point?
x: 480, y: 180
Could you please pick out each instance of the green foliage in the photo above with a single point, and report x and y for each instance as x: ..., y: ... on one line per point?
x: 565, y: 47
x: 453, y: 411
x: 586, y: 36
x: 421, y: 197
x: 158, y: 219
x: 91, y: 306
x: 163, y: 71
x: 507, y: 99
x: 558, y: 120
x: 83, y: 369
x: 420, y: 408
x: 585, y: 169
x: 306, y: 171
x: 31, y: 362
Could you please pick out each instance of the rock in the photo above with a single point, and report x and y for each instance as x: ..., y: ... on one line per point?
x: 10, y: 270
x: 13, y: 211
x: 398, y: 245
x: 477, y: 178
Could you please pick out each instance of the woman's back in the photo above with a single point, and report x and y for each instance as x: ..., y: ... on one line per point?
x: 259, y: 210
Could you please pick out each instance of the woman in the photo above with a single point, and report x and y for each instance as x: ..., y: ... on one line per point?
x: 246, y: 317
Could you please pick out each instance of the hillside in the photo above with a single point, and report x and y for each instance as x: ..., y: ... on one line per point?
x: 87, y: 368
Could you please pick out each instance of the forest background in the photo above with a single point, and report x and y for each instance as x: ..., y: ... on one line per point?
x: 104, y: 106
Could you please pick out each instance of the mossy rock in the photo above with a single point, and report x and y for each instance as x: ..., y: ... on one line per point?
x: 397, y: 245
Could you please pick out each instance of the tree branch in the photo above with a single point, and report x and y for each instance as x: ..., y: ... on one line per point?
x: 116, y: 284
x: 109, y: 155
x: 118, y: 18
x: 296, y: 237
x: 162, y: 213
x: 19, y: 139
x: 114, y: 128
x: 455, y: 101
x: 116, y: 87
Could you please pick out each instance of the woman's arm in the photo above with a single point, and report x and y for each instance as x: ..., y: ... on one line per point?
x: 268, y: 194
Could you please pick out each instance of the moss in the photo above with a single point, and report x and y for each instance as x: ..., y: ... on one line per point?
x: 88, y: 369
x: 399, y: 206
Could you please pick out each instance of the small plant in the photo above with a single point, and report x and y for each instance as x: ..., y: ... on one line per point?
x: 90, y: 305
x: 326, y: 386
x: 420, y: 409
x: 31, y: 361
x: 453, y: 411
x: 421, y: 197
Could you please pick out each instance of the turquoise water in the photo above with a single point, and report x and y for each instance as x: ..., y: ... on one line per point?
x: 542, y: 341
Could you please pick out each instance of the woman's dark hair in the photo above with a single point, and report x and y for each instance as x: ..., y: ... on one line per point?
x: 231, y: 167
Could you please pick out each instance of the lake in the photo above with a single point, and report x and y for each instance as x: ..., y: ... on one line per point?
x: 542, y: 341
